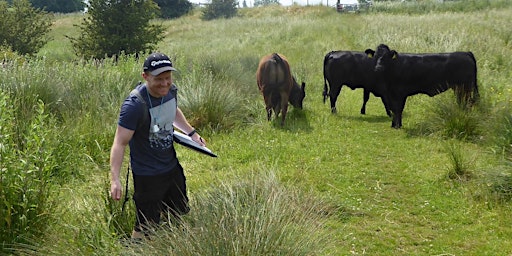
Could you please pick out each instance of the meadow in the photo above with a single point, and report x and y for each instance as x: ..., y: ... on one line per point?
x: 324, y: 184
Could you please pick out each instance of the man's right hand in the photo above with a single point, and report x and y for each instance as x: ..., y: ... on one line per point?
x: 115, y: 190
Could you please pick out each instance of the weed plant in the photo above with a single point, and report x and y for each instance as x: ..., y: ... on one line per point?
x: 26, y: 169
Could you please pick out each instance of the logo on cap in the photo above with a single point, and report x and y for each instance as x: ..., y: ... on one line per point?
x: 158, y: 63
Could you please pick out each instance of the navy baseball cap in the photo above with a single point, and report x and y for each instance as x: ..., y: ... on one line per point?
x: 156, y: 63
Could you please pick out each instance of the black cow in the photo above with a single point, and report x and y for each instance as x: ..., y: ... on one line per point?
x: 404, y: 75
x: 353, y: 69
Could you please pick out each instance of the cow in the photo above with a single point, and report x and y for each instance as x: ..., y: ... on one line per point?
x: 404, y: 75
x: 278, y: 86
x: 353, y: 69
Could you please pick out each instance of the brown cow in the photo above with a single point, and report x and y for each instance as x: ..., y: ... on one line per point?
x: 278, y: 86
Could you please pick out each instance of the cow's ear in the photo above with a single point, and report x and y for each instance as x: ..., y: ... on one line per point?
x: 303, y: 86
x: 395, y: 54
x: 369, y: 53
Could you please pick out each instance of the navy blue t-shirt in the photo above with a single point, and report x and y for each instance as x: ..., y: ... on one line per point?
x: 151, y: 147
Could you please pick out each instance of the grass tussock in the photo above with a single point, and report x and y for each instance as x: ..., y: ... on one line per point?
x: 253, y: 215
x: 445, y: 118
x: 460, y: 168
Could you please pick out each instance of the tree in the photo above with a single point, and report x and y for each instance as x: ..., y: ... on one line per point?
x: 59, y: 6
x: 174, y: 8
x: 114, y: 27
x: 220, y: 9
x: 265, y: 2
x: 23, y: 28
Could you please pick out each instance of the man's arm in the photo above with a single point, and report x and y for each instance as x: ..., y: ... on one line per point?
x: 181, y: 123
x: 121, y: 139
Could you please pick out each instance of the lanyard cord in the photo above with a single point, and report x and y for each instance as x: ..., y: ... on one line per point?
x: 151, y: 104
x: 126, y: 189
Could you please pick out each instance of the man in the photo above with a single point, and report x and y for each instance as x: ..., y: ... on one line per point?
x: 146, y: 123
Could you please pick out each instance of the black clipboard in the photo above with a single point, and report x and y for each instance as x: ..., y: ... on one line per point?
x: 186, y: 141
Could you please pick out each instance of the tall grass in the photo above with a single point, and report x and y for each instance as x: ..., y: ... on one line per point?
x: 255, y: 215
x: 425, y: 6
x: 460, y: 168
x: 444, y: 117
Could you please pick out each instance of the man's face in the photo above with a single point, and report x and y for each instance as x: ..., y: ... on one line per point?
x: 159, y: 85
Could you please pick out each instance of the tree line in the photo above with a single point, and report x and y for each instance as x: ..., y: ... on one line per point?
x: 109, y: 28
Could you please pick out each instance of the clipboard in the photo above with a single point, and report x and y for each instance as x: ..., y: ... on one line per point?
x: 186, y: 141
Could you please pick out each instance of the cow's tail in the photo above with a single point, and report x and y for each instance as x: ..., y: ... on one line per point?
x: 475, y: 94
x: 275, y: 98
x: 280, y: 65
x: 325, y: 93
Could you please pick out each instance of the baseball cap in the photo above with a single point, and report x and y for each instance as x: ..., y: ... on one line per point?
x: 156, y: 63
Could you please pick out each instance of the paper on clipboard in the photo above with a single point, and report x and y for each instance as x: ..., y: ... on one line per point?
x: 186, y: 141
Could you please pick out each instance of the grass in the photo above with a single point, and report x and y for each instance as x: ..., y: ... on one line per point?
x: 364, y: 187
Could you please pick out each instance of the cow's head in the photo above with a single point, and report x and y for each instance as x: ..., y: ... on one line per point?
x: 297, y: 94
x: 384, y: 58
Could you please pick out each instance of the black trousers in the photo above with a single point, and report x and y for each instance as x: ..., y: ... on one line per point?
x: 164, y: 193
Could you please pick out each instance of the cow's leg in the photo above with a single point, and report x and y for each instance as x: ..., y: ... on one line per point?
x: 334, y: 92
x: 386, y: 106
x: 366, y: 97
x: 269, y: 113
x: 397, y: 117
x: 284, y: 107
x: 268, y: 106
x: 277, y: 108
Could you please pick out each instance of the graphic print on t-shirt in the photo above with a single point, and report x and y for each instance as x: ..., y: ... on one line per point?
x: 161, y: 128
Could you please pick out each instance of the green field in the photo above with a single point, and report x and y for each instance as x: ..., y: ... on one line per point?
x: 324, y: 184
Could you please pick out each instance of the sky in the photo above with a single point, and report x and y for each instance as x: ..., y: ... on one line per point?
x: 288, y: 2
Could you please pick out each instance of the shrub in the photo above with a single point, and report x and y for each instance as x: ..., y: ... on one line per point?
x: 116, y: 27
x: 23, y: 28
x: 26, y: 157
x: 220, y: 9
x: 174, y: 8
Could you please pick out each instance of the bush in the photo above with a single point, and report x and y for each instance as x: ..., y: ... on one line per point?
x: 174, y: 8
x: 60, y: 6
x: 23, y: 28
x: 26, y: 156
x: 114, y: 28
x: 220, y: 9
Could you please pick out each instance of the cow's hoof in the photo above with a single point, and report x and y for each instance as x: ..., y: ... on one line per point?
x: 334, y: 111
